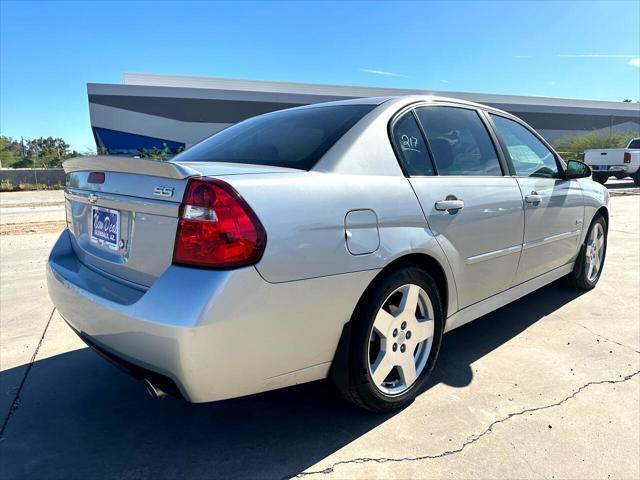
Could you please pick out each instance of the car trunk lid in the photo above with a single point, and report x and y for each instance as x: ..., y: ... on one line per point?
x: 123, y: 212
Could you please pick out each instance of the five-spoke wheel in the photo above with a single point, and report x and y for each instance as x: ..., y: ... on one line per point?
x: 395, y: 338
x: 401, y: 339
x: 590, y: 261
x: 594, y: 252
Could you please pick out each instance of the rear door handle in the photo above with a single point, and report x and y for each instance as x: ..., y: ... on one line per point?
x: 533, y: 198
x: 451, y: 206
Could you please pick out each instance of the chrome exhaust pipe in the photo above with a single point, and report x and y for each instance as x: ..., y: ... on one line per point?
x: 154, y: 392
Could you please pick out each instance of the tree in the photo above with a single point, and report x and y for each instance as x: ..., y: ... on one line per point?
x: 39, y: 152
x: 10, y: 151
x: 48, y: 152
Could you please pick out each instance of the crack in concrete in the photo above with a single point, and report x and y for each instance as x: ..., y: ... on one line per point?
x: 470, y: 440
x: 607, y: 339
x: 630, y: 347
x: 16, y: 400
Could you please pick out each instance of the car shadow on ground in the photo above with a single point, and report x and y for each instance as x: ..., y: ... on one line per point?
x: 621, y: 185
x: 79, y: 417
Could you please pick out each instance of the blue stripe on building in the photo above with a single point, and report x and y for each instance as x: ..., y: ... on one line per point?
x: 115, y: 141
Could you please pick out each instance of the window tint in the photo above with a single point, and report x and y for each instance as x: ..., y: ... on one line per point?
x: 530, y: 157
x: 411, y: 147
x: 287, y: 138
x: 459, y: 141
x: 635, y: 144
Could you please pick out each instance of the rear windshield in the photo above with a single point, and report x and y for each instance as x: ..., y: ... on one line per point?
x: 635, y: 143
x: 287, y: 138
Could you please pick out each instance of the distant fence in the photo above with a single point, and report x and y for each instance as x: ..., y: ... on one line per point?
x: 46, y: 176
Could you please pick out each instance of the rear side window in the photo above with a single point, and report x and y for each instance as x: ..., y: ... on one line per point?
x: 410, y: 146
x: 635, y: 144
x: 459, y: 141
x: 530, y: 157
x: 287, y: 138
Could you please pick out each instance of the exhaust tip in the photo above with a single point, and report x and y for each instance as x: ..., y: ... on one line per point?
x: 154, y: 392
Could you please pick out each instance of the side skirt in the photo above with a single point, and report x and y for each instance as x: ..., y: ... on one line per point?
x: 490, y: 304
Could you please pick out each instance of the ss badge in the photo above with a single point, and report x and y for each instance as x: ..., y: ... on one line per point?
x: 163, y: 191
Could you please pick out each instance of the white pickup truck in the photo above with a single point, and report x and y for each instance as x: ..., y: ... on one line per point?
x: 617, y: 162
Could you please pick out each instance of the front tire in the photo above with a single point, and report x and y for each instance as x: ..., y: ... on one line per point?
x: 590, y: 261
x: 636, y: 178
x: 397, y: 330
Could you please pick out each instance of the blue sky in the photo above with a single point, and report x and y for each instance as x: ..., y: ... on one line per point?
x: 50, y: 50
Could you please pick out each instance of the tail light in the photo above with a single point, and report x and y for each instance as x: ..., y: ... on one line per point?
x: 217, y: 229
x: 627, y: 157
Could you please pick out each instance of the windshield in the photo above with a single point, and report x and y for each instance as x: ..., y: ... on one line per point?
x: 635, y: 144
x: 295, y: 138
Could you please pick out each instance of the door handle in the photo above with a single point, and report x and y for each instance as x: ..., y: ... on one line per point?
x: 533, y: 198
x: 451, y: 206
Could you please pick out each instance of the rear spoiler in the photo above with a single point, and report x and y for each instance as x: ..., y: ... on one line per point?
x: 139, y: 166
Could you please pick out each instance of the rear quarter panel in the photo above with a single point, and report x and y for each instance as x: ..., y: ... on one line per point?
x: 304, y: 216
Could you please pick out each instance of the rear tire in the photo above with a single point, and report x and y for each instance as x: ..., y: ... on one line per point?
x: 397, y: 327
x: 636, y: 178
x: 600, y: 178
x: 620, y: 176
x: 590, y: 261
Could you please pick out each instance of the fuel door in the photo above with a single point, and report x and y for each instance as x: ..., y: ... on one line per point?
x: 361, y: 231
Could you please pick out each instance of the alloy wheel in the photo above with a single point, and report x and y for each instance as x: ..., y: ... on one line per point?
x: 594, y: 253
x: 400, y: 340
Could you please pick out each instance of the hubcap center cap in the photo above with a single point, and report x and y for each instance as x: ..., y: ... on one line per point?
x: 401, y: 336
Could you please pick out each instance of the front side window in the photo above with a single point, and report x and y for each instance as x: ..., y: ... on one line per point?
x: 295, y: 138
x: 459, y: 141
x: 530, y: 157
x: 411, y: 147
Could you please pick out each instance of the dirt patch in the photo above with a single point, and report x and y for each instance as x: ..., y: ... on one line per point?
x: 31, y: 228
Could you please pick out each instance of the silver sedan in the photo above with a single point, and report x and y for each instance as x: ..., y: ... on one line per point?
x: 338, y: 240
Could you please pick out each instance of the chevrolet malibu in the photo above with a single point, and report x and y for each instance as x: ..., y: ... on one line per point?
x: 338, y: 240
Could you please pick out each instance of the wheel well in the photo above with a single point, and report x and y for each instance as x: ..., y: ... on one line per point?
x: 428, y: 264
x: 605, y: 214
x: 339, y: 372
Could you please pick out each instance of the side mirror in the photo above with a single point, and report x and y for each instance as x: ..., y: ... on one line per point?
x: 576, y: 169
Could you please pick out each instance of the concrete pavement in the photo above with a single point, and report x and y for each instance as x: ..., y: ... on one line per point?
x: 548, y: 387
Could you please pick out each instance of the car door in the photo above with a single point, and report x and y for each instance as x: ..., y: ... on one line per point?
x: 553, y: 207
x: 474, y: 211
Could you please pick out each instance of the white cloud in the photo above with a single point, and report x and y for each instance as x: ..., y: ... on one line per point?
x: 635, y: 62
x: 382, y: 72
x: 593, y: 55
x: 445, y: 81
x: 522, y: 56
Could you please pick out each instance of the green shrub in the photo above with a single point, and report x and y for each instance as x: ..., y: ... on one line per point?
x: 7, y: 186
x: 31, y: 186
x: 572, y: 148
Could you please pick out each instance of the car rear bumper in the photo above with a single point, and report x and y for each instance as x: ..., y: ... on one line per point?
x: 215, y: 334
x: 609, y: 168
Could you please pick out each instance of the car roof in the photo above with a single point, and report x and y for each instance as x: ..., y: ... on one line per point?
x: 402, y: 100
